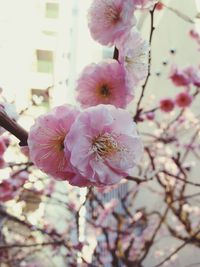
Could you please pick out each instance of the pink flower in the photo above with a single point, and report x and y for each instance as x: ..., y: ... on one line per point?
x: 179, y: 77
x: 108, y: 147
x: 183, y: 99
x: 3, y: 146
x: 103, y: 83
x: 186, y: 76
x: 46, y: 141
x: 133, y: 54
x: 10, y: 187
x: 109, y: 20
x: 150, y: 116
x: 167, y: 104
x: 159, y: 6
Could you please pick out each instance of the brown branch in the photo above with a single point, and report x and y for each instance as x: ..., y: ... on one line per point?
x: 13, y: 127
x: 138, y: 109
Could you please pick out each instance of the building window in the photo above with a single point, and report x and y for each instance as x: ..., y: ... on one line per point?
x: 52, y: 10
x: 40, y: 96
x: 44, y: 61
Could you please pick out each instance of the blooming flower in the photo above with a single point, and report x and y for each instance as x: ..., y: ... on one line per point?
x: 103, y: 83
x: 46, y: 141
x: 167, y: 104
x: 109, y: 20
x: 133, y: 54
x: 108, y: 147
x: 183, y: 99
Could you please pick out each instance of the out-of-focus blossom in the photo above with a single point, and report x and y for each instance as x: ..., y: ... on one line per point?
x: 195, y: 35
x: 104, y: 144
x: 3, y: 145
x: 133, y: 54
x: 185, y: 77
x: 150, y: 116
x: 46, y: 141
x: 179, y: 77
x: 109, y: 20
x: 159, y: 6
x: 183, y: 99
x: 10, y: 187
x: 167, y: 104
x: 103, y: 83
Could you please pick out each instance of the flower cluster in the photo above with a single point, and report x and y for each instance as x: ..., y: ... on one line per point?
x: 98, y: 146
x: 113, y: 81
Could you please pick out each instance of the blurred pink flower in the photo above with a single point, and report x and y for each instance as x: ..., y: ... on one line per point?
x: 104, y: 144
x: 159, y: 6
x: 3, y: 146
x: 167, y: 104
x: 103, y: 83
x: 186, y: 76
x: 9, y: 187
x: 46, y: 141
x: 150, y: 116
x: 179, y: 77
x: 183, y: 99
x: 133, y: 54
x: 109, y: 20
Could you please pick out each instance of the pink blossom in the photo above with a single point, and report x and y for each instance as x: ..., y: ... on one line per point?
x: 195, y: 35
x: 159, y: 6
x: 179, y: 77
x: 109, y: 20
x: 186, y: 76
x: 103, y: 83
x: 108, y: 147
x: 46, y: 141
x: 10, y: 187
x: 133, y: 54
x: 167, y: 104
x: 183, y: 99
x: 3, y: 146
x: 150, y: 116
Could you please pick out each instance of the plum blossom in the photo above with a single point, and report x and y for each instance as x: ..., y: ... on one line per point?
x: 103, y: 83
x: 10, y: 187
x: 108, y: 147
x: 183, y: 99
x: 185, y: 77
x: 167, y: 104
x: 46, y: 141
x: 109, y: 20
x: 133, y: 55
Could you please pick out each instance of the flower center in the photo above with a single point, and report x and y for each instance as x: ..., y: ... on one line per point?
x: 104, y: 146
x: 104, y: 91
x: 112, y: 14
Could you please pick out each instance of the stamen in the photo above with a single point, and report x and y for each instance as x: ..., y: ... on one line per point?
x: 104, y: 145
